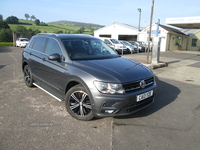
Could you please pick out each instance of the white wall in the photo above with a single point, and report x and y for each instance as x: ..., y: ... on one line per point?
x: 143, y: 36
x: 115, y: 30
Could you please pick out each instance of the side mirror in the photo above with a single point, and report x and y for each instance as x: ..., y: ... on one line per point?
x: 54, y: 57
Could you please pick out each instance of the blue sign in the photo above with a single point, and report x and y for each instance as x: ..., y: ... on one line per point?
x: 153, y: 31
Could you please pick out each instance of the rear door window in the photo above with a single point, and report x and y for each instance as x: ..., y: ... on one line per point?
x: 32, y: 43
x: 40, y: 44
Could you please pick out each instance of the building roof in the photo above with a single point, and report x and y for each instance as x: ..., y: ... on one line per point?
x: 190, y: 32
x: 121, y: 24
x: 184, y: 22
x: 172, y: 30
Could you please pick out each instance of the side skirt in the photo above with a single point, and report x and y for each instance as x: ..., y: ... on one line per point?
x: 48, y: 92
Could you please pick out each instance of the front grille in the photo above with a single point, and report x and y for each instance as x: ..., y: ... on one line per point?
x: 134, y: 86
x: 132, y: 107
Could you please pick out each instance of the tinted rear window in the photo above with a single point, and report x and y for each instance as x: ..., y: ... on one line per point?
x: 39, y: 44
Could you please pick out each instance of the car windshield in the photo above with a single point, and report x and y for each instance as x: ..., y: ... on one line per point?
x: 134, y: 43
x: 115, y: 41
x: 24, y: 40
x: 127, y: 43
x: 88, y: 49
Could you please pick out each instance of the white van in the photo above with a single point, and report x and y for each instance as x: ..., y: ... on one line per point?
x: 115, y: 44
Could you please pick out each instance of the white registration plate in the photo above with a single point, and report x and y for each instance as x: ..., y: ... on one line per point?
x: 144, y: 95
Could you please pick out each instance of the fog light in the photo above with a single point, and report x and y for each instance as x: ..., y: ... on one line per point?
x: 109, y: 111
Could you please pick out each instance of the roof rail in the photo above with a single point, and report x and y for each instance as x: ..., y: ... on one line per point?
x: 47, y: 34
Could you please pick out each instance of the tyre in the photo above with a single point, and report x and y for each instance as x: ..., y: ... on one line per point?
x: 128, y: 50
x: 28, y: 76
x: 78, y: 103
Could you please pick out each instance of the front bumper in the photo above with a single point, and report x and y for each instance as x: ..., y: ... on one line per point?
x: 23, y: 44
x: 120, y: 105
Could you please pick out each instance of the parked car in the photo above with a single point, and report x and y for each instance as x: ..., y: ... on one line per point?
x: 130, y: 48
x: 150, y: 45
x: 114, y: 43
x: 141, y: 43
x: 22, y: 42
x: 141, y: 48
x: 90, y: 77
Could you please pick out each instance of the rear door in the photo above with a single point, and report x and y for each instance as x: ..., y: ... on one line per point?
x: 54, y: 73
x: 37, y: 55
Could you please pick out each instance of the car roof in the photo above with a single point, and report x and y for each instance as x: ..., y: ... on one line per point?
x: 67, y: 36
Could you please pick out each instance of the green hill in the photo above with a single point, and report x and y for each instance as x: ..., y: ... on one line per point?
x: 56, y: 28
x: 77, y: 24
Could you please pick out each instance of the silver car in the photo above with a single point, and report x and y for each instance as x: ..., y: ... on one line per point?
x: 131, y: 48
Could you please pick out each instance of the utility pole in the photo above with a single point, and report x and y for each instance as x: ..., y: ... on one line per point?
x: 151, y: 18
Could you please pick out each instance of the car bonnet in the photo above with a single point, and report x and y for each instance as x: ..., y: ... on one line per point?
x: 114, y: 70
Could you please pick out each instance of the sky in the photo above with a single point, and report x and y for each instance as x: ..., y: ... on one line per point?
x: 102, y: 12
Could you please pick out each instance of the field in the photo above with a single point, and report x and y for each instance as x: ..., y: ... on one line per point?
x: 51, y: 28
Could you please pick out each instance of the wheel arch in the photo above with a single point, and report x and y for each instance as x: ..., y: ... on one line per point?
x: 74, y: 81
x: 24, y: 64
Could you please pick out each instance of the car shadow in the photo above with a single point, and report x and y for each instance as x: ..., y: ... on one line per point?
x: 165, y: 94
x: 2, y: 66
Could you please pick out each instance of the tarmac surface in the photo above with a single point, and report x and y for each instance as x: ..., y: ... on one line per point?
x: 31, y: 119
x: 165, y: 58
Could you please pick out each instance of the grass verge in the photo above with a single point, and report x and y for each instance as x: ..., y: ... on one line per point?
x: 6, y: 43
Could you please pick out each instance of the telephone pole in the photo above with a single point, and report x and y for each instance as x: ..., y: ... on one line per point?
x: 139, y: 9
x: 151, y: 18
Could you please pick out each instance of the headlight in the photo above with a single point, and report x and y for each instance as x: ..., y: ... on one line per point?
x: 109, y: 88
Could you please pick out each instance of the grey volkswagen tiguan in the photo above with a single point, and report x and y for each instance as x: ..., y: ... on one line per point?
x: 90, y: 77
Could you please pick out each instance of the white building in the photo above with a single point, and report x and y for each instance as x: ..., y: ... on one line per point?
x: 118, y: 31
x: 170, y: 38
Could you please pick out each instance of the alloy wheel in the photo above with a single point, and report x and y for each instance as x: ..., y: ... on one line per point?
x: 80, y: 103
x: 28, y: 76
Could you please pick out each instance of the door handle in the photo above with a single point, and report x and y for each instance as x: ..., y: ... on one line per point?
x: 43, y: 59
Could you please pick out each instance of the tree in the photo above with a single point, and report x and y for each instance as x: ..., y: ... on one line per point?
x: 60, y: 31
x: 1, y: 17
x: 37, y: 21
x: 33, y: 17
x: 4, y: 25
x: 5, y: 35
x: 36, y: 31
x: 20, y: 29
x: 12, y: 19
x: 29, y: 31
x: 81, y: 30
x: 27, y: 16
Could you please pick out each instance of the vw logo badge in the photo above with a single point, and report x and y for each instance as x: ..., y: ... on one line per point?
x: 142, y: 84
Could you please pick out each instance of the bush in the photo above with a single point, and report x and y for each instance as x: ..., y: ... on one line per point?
x: 5, y: 35
x: 4, y: 25
x: 43, y: 24
x: 60, y: 31
x: 37, y: 22
x: 20, y: 29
